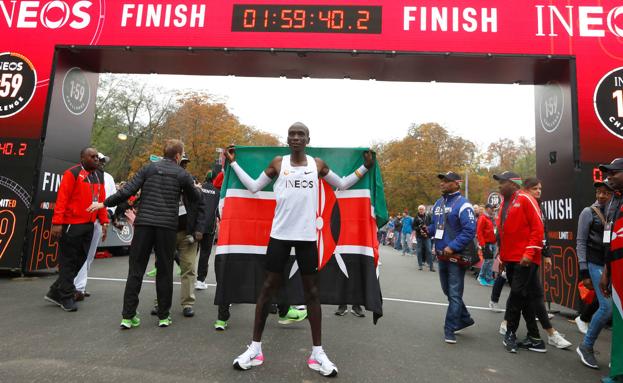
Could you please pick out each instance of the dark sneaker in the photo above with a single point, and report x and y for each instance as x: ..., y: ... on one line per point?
x: 532, y: 344
x: 274, y: 309
x: 341, y: 310
x: 79, y: 296
x: 52, y: 299
x: 188, y: 312
x: 69, y: 305
x: 357, y: 311
x: 466, y: 325
x: 86, y: 294
x: 587, y: 356
x: 154, y: 310
x: 449, y: 337
x: 510, y: 342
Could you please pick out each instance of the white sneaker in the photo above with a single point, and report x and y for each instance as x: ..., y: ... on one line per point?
x: 550, y: 315
x: 503, y: 328
x: 582, y: 326
x: 493, y: 306
x: 558, y: 341
x: 201, y: 285
x: 321, y: 363
x: 248, y: 359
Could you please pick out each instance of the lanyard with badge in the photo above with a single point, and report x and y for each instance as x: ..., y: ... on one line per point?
x: 441, y: 225
x: 94, y: 193
x: 608, y: 225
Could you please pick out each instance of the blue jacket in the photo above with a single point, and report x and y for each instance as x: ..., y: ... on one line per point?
x: 460, y: 219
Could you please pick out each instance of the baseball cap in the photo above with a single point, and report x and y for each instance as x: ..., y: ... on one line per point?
x: 616, y: 164
x: 450, y: 176
x: 508, y: 176
x: 102, y: 157
x: 603, y: 183
x: 184, y: 158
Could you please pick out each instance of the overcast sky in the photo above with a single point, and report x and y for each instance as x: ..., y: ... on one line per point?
x: 347, y: 113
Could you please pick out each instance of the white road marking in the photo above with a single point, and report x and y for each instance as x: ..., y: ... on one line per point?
x: 384, y: 299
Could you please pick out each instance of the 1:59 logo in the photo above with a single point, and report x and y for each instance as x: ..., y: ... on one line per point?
x: 17, y: 83
x: 608, y: 101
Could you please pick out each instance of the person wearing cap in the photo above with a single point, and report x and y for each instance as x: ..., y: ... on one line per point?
x: 591, y: 252
x: 109, y: 188
x: 609, y: 285
x: 453, y: 227
x: 520, y: 235
x: 423, y: 244
x: 487, y: 242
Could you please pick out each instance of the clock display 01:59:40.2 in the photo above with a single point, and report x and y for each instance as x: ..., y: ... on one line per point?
x: 306, y: 18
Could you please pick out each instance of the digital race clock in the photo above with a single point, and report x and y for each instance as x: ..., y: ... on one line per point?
x: 306, y: 18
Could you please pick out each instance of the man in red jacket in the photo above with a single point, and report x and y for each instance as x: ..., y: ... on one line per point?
x: 520, y: 233
x: 72, y: 225
x: 485, y: 232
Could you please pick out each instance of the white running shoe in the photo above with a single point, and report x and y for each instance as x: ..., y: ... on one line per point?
x: 201, y: 285
x: 493, y: 306
x: 248, y: 359
x: 321, y: 363
x: 558, y: 341
x: 503, y: 328
x: 582, y: 326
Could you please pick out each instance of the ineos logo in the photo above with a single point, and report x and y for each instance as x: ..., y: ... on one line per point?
x: 52, y: 15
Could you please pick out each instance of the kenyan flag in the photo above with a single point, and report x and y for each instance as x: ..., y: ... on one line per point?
x: 616, y: 270
x: 346, y: 225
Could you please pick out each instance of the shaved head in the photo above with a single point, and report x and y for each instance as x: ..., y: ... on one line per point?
x: 299, y: 125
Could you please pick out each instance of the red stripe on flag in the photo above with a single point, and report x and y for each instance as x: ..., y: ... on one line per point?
x: 355, y: 222
x: 246, y: 221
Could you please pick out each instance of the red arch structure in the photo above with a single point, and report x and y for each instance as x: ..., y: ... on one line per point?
x: 55, y: 49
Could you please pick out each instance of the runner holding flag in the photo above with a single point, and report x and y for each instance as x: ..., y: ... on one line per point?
x: 294, y: 225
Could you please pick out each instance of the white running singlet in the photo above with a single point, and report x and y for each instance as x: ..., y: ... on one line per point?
x: 296, y: 191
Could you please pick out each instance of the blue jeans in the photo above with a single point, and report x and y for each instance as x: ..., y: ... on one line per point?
x: 405, y: 241
x: 486, y: 270
x: 452, y: 277
x: 422, y: 249
x: 397, y: 238
x: 603, y: 314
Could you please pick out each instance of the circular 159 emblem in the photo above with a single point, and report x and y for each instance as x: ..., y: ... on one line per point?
x: 494, y: 199
x: 608, y: 101
x: 18, y: 79
x: 76, y: 91
x: 551, y: 106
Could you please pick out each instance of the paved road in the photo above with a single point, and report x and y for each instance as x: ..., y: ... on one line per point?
x: 44, y: 344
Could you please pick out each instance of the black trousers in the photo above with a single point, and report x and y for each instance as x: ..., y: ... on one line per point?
x: 587, y: 311
x: 205, y: 249
x: 162, y: 240
x: 498, y: 285
x: 523, y: 298
x: 72, y: 253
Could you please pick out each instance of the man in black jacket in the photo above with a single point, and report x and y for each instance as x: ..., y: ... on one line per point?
x: 423, y: 245
x: 155, y: 227
x: 211, y: 199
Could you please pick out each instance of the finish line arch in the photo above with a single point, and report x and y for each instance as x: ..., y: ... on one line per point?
x: 50, y: 65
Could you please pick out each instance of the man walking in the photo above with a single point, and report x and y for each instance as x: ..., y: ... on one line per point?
x: 155, y: 227
x: 485, y: 232
x: 453, y: 228
x: 210, y: 198
x: 423, y: 244
x: 294, y: 225
x: 407, y: 229
x: 72, y: 224
x: 520, y: 233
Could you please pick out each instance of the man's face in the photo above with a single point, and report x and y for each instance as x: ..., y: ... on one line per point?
x: 603, y: 195
x: 489, y: 211
x: 507, y: 188
x: 448, y: 186
x: 101, y: 164
x: 298, y: 138
x: 421, y: 210
x: 615, y: 179
x: 90, y: 160
x: 476, y: 209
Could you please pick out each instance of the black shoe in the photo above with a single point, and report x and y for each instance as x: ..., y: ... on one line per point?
x: 357, y: 311
x: 87, y: 294
x: 510, y: 342
x: 471, y: 322
x: 433, y: 270
x: 341, y: 310
x: 69, y: 305
x: 532, y: 344
x: 52, y: 299
x: 274, y: 309
x: 79, y: 296
x: 188, y: 312
x: 154, y: 310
